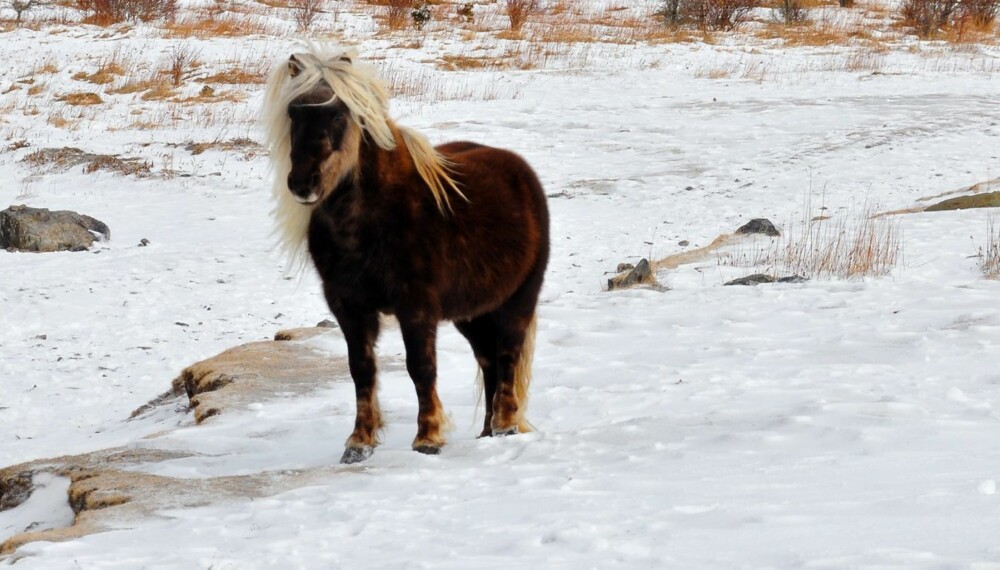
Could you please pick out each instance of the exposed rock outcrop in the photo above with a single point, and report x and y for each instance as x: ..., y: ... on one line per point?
x: 115, y: 486
x: 41, y: 230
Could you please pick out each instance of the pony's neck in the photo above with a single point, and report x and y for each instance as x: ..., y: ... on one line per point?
x: 383, y: 168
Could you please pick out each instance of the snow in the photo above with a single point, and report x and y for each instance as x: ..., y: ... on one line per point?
x: 45, y: 509
x: 828, y: 424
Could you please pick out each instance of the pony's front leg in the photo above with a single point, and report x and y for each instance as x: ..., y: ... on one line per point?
x: 361, y: 332
x: 419, y: 337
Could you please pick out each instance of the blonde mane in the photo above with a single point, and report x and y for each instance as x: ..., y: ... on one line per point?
x: 365, y: 96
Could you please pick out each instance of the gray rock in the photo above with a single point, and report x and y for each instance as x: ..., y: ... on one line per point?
x: 758, y: 278
x: 641, y: 274
x: 758, y: 226
x: 38, y: 229
x: 755, y: 279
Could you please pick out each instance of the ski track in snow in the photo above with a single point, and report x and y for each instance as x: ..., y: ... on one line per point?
x: 828, y: 424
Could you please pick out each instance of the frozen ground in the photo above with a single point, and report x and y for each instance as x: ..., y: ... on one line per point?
x: 826, y: 424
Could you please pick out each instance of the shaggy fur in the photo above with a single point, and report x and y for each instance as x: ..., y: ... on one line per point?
x: 382, y: 216
x: 358, y: 87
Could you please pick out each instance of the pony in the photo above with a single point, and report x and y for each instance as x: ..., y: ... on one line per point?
x: 395, y: 226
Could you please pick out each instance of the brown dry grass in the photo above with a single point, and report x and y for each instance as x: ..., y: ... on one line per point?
x: 106, y: 73
x: 815, y: 34
x: 207, y: 95
x: 37, y: 88
x: 87, y: 98
x: 853, y: 246
x: 155, y: 87
x: 989, y: 255
x: 230, y: 25
x: 237, y: 76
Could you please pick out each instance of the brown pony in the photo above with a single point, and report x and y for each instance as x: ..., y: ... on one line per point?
x: 395, y: 226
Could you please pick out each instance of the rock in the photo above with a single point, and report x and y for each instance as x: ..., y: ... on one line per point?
x: 641, y: 274
x: 259, y: 370
x: 758, y: 278
x: 755, y: 279
x: 987, y: 200
x: 115, y: 487
x: 758, y: 226
x: 38, y: 229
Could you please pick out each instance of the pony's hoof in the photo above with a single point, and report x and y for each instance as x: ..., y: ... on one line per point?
x: 356, y: 454
x: 505, y: 431
x: 427, y: 449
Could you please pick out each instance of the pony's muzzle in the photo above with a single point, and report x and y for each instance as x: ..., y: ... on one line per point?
x: 304, y: 191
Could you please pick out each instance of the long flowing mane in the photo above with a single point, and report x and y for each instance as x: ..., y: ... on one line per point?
x: 357, y: 86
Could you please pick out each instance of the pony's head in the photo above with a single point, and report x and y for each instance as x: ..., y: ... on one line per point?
x: 318, y: 107
x: 324, y: 142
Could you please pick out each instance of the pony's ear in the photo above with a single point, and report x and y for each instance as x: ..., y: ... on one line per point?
x: 294, y: 66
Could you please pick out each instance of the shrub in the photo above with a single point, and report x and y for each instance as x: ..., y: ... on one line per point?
x: 518, y: 12
x: 421, y: 15
x: 397, y: 12
x: 466, y: 12
x: 669, y: 12
x: 707, y: 14
x: 104, y: 12
x: 182, y: 58
x: 21, y: 6
x: 305, y: 12
x: 790, y: 11
x: 981, y: 13
x: 926, y: 17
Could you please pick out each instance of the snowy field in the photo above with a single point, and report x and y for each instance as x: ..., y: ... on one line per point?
x: 827, y: 424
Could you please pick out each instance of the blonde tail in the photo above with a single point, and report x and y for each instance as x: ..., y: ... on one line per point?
x: 522, y: 376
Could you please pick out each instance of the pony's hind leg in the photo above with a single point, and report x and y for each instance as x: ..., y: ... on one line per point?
x: 481, y: 332
x: 419, y: 337
x: 508, y: 402
x: 515, y: 328
x: 361, y: 332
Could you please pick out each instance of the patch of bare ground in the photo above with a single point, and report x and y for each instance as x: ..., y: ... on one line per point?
x: 63, y: 159
x: 246, y: 147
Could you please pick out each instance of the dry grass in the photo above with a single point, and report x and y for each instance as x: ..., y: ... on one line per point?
x: 851, y: 247
x: 247, y: 147
x: 87, y: 98
x: 989, y: 256
x: 180, y: 61
x: 108, y: 69
x: 229, y: 25
x: 37, y: 88
x: 238, y: 76
x: 208, y: 95
x: 395, y: 13
x: 423, y: 85
x: 153, y: 88
x: 61, y: 159
x: 520, y: 11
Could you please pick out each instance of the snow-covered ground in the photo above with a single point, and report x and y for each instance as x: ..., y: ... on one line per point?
x: 829, y: 424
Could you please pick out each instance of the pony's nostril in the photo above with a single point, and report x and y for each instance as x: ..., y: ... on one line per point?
x: 314, y: 181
